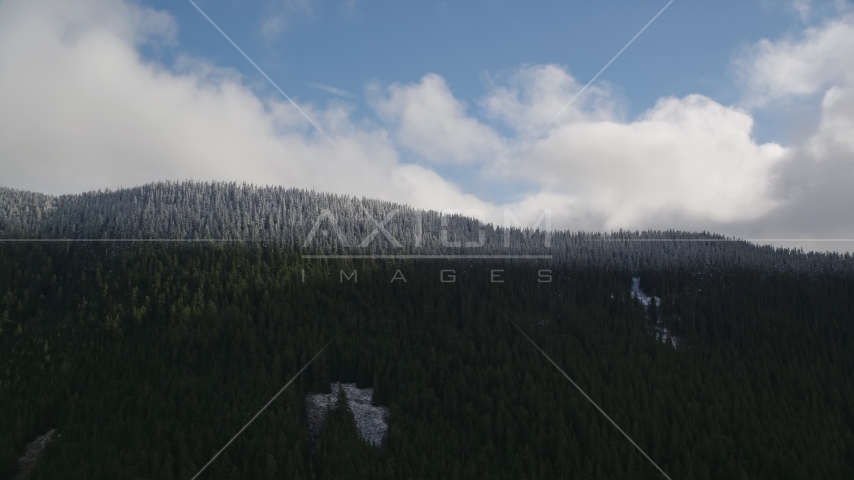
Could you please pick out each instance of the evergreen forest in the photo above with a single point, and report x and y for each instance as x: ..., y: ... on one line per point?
x: 148, y: 357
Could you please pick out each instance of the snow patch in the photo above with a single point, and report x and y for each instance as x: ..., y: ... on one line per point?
x: 642, y: 297
x: 31, y: 454
x: 371, y: 421
x: 662, y: 333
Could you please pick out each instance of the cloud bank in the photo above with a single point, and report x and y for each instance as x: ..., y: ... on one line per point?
x: 812, y: 183
x: 81, y: 109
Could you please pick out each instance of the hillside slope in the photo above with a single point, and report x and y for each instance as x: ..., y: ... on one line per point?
x: 324, y: 223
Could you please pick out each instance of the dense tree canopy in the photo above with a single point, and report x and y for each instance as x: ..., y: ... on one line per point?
x: 325, y: 223
x: 148, y: 358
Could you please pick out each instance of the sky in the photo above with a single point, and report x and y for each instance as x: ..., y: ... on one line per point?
x: 734, y: 116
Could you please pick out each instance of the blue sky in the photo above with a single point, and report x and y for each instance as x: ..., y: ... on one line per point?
x: 306, y: 45
x: 735, y: 117
x: 347, y: 45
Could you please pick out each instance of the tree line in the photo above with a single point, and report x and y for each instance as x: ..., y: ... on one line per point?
x: 323, y: 223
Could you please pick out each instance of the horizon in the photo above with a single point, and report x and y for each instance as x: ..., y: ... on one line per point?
x: 729, y: 118
x: 510, y: 223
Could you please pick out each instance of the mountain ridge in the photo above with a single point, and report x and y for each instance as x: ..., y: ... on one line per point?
x: 333, y: 224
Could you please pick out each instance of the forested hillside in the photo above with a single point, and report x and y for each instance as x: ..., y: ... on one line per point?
x: 323, y: 223
x: 147, y: 358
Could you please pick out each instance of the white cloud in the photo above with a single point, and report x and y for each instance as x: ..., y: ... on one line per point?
x: 799, y: 66
x: 530, y: 96
x: 685, y: 157
x: 813, y: 182
x: 431, y: 122
x: 114, y: 119
x: 79, y: 109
